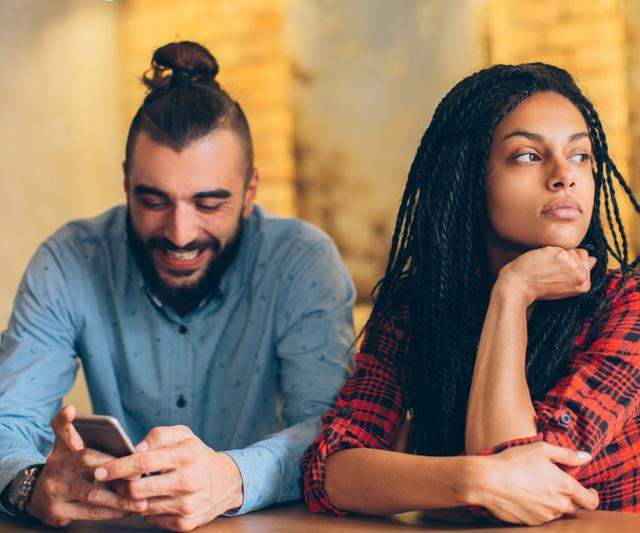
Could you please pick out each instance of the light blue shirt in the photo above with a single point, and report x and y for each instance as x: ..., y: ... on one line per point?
x: 249, y: 371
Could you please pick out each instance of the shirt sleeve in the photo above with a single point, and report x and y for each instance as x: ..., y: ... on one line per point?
x: 591, y: 404
x: 37, y: 363
x: 368, y: 411
x: 314, y: 332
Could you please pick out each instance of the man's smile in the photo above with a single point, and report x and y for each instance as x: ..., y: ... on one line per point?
x: 177, y: 260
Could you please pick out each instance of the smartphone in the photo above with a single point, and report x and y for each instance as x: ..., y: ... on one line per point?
x: 103, y: 433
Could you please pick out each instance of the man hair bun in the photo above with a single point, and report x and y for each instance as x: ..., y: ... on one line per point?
x: 185, y: 58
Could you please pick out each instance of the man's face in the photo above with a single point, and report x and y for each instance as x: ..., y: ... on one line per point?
x: 186, y: 210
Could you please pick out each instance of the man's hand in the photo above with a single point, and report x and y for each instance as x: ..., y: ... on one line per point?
x: 524, y: 486
x: 549, y: 273
x: 65, y: 490
x: 193, y: 483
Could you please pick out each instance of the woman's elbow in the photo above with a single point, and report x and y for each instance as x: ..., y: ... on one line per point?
x: 332, y: 482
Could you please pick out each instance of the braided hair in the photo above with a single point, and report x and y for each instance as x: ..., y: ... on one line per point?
x: 438, y: 247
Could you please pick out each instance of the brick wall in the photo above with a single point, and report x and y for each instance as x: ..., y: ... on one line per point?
x: 589, y: 39
x: 632, y: 18
x: 245, y: 36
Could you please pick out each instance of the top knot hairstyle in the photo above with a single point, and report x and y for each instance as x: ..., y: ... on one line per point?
x: 185, y: 103
x: 438, y: 249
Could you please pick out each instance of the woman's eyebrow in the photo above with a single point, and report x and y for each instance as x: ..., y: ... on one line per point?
x: 523, y: 133
x: 577, y: 136
x: 540, y: 138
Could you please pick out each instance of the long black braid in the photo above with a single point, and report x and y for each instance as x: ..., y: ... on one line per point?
x: 437, y: 259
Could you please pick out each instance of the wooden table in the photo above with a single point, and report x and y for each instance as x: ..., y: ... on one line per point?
x: 295, y: 518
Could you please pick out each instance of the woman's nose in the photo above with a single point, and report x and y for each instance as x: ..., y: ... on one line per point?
x: 561, y: 177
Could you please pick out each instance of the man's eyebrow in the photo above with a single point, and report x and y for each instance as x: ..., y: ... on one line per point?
x: 221, y: 194
x: 540, y: 138
x: 145, y: 189
x: 216, y: 193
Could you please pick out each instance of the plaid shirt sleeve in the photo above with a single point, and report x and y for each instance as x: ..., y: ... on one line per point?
x: 590, y: 405
x: 598, y: 398
x: 368, y: 410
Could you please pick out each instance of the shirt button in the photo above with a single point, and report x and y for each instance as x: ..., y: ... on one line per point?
x: 183, y: 329
x: 345, y: 412
x: 565, y: 419
x: 181, y: 401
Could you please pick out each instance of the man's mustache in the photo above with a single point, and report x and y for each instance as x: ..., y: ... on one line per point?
x: 163, y: 242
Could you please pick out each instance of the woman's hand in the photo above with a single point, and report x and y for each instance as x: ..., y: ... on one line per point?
x: 524, y: 485
x: 549, y: 273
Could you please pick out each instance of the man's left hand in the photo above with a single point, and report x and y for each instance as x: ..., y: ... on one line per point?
x: 192, y: 485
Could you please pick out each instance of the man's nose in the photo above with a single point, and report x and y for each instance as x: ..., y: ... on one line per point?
x: 181, y: 228
x: 561, y: 176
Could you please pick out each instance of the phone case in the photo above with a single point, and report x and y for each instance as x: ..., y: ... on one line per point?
x: 105, y: 434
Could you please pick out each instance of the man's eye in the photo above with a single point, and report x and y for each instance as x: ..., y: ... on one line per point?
x: 528, y: 157
x: 208, y: 207
x: 150, y: 204
x: 581, y: 157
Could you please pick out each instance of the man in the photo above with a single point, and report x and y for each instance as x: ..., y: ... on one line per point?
x: 203, y: 324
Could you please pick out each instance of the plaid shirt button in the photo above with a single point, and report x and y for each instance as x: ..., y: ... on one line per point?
x: 565, y: 419
x: 345, y: 412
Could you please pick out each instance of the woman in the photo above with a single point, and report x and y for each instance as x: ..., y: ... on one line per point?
x: 497, y: 325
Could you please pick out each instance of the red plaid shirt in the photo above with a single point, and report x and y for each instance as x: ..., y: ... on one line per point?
x: 595, y: 407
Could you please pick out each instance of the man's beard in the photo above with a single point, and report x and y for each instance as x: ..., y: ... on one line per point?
x: 183, y: 299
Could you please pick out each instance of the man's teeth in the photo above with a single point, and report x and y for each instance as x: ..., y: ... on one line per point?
x: 183, y: 256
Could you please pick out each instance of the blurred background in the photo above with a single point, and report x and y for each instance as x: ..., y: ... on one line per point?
x: 337, y: 93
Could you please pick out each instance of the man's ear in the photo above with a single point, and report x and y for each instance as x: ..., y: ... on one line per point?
x: 251, y: 189
x: 125, y: 181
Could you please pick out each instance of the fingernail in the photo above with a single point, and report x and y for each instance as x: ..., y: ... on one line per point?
x: 584, y: 456
x: 100, y: 473
x: 142, y: 446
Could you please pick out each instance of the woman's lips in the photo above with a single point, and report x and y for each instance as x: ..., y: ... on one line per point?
x: 562, y: 209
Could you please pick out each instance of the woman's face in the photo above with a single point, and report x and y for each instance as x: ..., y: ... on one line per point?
x: 540, y: 183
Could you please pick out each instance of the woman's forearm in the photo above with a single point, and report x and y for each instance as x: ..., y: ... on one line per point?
x: 382, y: 482
x: 499, y: 407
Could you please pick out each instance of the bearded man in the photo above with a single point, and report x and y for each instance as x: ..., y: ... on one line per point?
x: 213, y: 331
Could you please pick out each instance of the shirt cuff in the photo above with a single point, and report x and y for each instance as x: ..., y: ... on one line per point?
x: 334, y: 437
x: 559, y: 425
x: 9, y: 470
x: 511, y: 443
x: 261, y: 478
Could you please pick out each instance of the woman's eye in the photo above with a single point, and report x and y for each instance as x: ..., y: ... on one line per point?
x: 580, y: 158
x: 529, y: 157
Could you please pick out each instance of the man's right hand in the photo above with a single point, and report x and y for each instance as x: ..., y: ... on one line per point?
x: 524, y: 485
x: 66, y: 490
